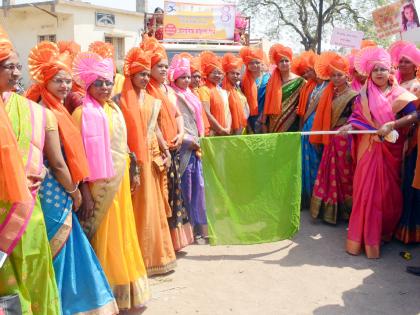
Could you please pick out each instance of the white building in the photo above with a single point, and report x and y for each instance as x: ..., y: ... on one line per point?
x: 29, y: 23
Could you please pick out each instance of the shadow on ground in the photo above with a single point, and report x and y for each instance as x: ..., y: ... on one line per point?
x: 319, y: 244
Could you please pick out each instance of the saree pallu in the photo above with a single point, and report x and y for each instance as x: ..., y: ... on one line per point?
x: 81, y: 281
x: 261, y: 89
x: 112, y: 227
x: 332, y: 194
x: 28, y: 270
x: 150, y: 201
x: 287, y: 121
x: 408, y: 230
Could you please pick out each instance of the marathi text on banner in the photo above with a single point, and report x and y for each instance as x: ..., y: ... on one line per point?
x: 346, y: 38
x: 188, y: 21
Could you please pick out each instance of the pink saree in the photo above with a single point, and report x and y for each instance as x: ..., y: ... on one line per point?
x: 377, y: 198
x: 332, y: 195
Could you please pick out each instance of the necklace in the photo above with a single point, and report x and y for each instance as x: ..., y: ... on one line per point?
x: 338, y: 93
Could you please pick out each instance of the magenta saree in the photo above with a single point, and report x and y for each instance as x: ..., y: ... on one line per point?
x: 377, y: 198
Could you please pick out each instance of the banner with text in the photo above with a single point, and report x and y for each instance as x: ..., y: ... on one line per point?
x: 395, y: 18
x: 346, y: 38
x: 195, y: 21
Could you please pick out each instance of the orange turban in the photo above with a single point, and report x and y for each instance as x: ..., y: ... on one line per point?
x: 136, y: 61
x: 71, y: 47
x: 249, y: 54
x: 231, y: 62
x: 6, y: 46
x: 157, y: 51
x: 365, y: 43
x: 304, y: 62
x: 105, y: 50
x: 328, y: 62
x: 322, y: 65
x: 209, y: 62
x: 45, y: 60
x: 274, y: 94
x: 278, y: 51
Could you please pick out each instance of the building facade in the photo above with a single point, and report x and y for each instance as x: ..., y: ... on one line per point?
x: 30, y: 23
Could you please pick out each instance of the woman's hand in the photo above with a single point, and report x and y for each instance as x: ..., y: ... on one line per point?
x: 88, y: 204
x: 177, y: 141
x: 167, y: 160
x: 35, y: 181
x: 135, y: 183
x: 77, y: 199
x: 343, y: 130
x: 386, y: 128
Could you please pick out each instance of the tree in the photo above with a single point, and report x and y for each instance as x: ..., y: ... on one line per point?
x: 299, y: 18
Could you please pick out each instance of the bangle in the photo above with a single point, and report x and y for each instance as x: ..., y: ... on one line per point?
x: 74, y: 190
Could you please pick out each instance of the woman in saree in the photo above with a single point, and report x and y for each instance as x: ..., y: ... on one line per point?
x: 384, y: 130
x: 317, y: 75
x: 80, y: 279
x: 110, y: 225
x: 331, y: 198
x: 25, y: 256
x: 196, y: 82
x: 283, y: 90
x: 213, y: 97
x: 191, y: 169
x: 406, y: 57
x: 238, y: 105
x: 254, y: 83
x: 150, y: 201
x: 377, y: 197
x: 170, y: 134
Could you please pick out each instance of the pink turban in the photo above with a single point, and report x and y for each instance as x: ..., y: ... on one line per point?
x: 402, y: 49
x: 88, y: 67
x: 367, y: 58
x: 179, y: 66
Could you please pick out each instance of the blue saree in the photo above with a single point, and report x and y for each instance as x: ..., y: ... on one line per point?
x: 311, y: 156
x: 80, y: 279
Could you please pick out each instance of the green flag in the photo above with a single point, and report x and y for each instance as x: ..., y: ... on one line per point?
x: 253, y: 187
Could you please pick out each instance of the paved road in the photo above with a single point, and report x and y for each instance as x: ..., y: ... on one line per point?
x: 310, y: 274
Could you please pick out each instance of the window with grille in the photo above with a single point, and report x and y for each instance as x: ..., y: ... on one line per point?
x: 118, y: 43
x: 50, y: 38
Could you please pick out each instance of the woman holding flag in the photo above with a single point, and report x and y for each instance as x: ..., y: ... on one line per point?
x: 377, y: 197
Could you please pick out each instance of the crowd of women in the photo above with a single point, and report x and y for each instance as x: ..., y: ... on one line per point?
x: 101, y: 179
